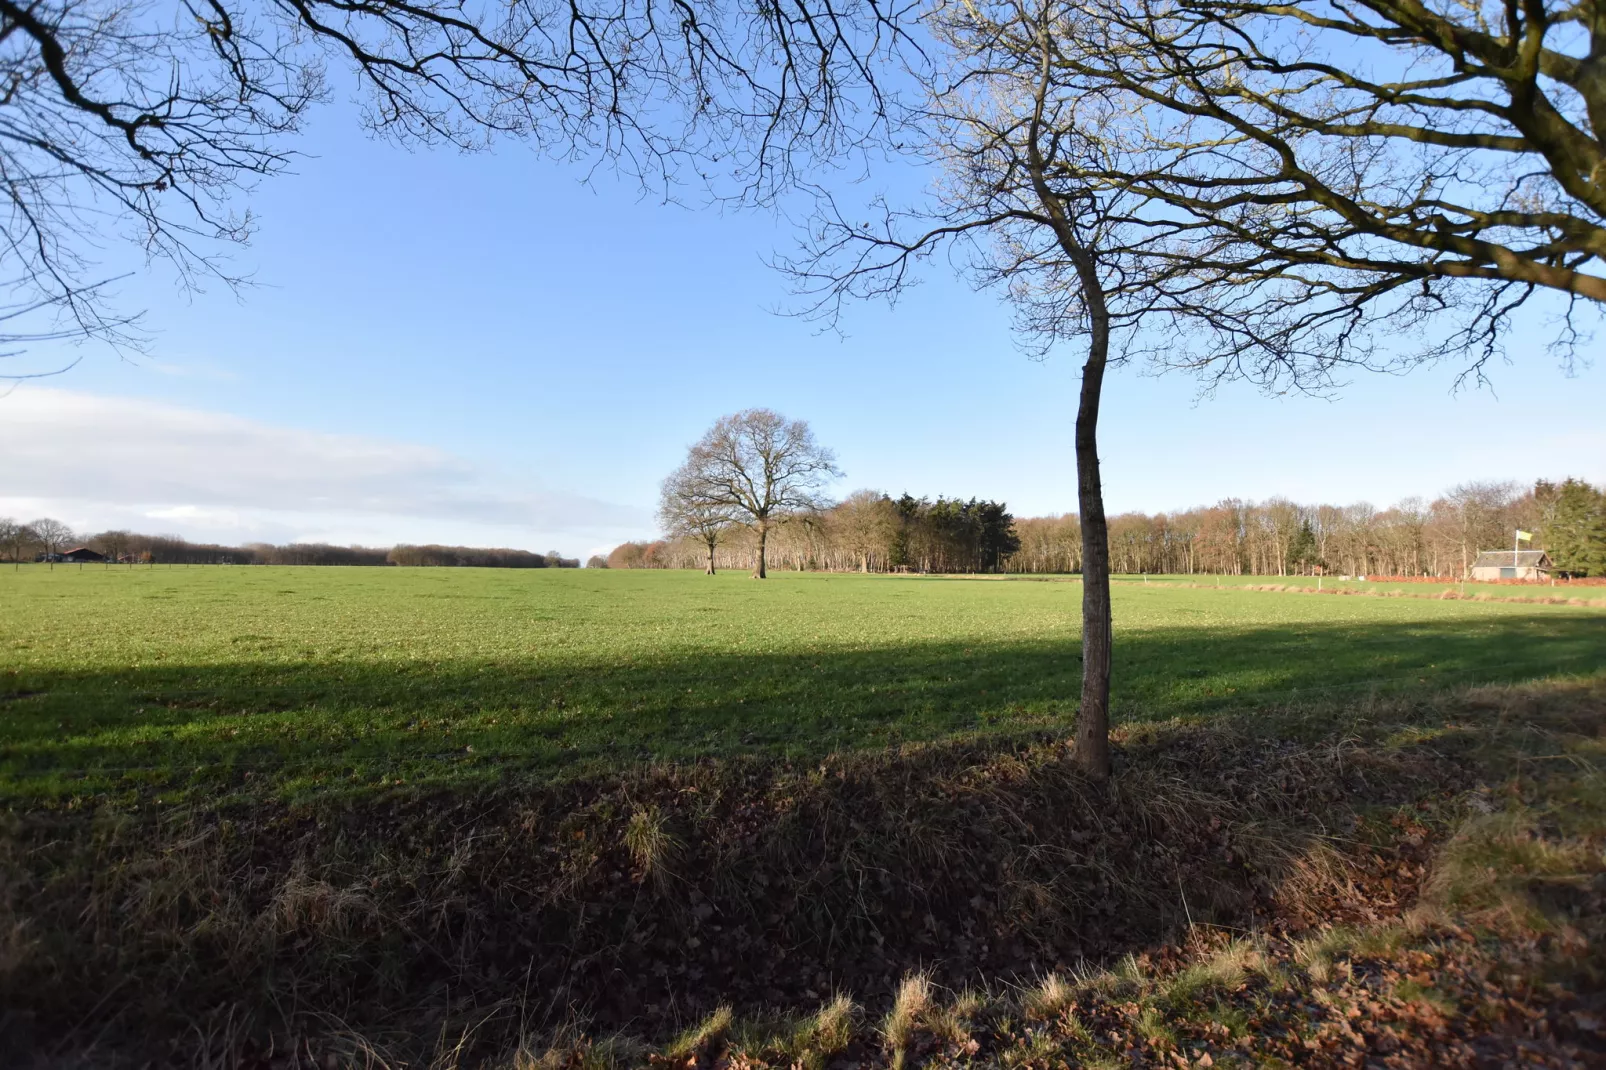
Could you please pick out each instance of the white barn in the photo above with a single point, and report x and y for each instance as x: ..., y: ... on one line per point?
x: 1511, y: 565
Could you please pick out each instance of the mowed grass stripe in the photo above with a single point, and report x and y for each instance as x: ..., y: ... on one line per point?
x: 205, y: 682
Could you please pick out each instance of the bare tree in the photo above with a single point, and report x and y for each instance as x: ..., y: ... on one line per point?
x: 1479, y: 509
x: 146, y: 120
x: 1038, y: 197
x: 51, y: 536
x: 759, y: 468
x: 687, y: 513
x: 14, y: 536
x: 1222, y: 187
x: 865, y: 523
x: 1401, y: 177
x: 120, y: 115
x: 113, y: 543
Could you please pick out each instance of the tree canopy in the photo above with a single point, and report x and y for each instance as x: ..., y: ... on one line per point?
x: 756, y: 468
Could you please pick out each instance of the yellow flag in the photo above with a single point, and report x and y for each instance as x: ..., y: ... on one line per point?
x: 1526, y: 536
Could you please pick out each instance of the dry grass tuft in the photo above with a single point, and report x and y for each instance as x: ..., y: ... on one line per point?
x: 576, y: 1052
x: 832, y: 1026
x: 1224, y: 971
x: 909, y: 1006
x: 704, y: 1035
x: 1501, y: 865
x: 1313, y: 870
x: 1131, y: 974
x: 952, y: 1021
x: 305, y: 904
x: 17, y: 947
x: 1049, y: 998
x: 1315, y: 954
x: 1152, y: 1026
x: 652, y: 847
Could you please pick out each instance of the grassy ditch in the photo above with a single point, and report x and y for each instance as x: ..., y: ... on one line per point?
x: 1299, y: 884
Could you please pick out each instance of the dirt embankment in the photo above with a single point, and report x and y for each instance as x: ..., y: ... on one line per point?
x: 645, y: 902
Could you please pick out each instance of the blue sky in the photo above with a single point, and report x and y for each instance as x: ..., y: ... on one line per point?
x: 483, y: 349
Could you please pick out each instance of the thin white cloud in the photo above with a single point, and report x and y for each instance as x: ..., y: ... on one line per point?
x: 132, y: 462
x: 190, y: 371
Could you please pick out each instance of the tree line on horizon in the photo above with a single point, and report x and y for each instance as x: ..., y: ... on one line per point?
x: 867, y: 532
x: 45, y: 538
x: 872, y: 532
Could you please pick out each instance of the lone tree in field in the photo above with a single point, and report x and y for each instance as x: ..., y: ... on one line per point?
x: 758, y: 468
x: 1014, y: 141
x: 686, y: 513
x: 1229, y: 188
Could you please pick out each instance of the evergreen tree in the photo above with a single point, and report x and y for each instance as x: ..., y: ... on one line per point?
x: 1576, y: 534
x: 998, y: 538
x: 1302, y: 549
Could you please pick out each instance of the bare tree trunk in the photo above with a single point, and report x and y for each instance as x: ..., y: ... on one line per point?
x: 758, y: 563
x: 709, y: 571
x: 1093, y: 719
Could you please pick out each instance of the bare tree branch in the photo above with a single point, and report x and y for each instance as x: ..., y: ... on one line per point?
x: 144, y: 120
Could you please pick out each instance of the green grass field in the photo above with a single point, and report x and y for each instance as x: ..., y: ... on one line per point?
x: 202, y: 683
x: 350, y: 813
x: 1434, y: 589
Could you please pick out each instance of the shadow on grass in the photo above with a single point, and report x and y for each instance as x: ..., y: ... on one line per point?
x: 257, y: 727
x: 643, y: 899
x: 260, y: 728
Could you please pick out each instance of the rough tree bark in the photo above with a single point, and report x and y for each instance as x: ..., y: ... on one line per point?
x: 758, y: 562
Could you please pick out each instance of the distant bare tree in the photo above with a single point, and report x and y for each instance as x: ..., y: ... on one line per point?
x: 687, y: 513
x: 628, y: 555
x: 864, y: 524
x: 14, y: 536
x: 1479, y: 508
x: 113, y: 543
x: 761, y: 469
x: 51, y: 536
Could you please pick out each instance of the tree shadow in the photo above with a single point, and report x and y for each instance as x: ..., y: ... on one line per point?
x: 643, y: 899
x: 257, y: 725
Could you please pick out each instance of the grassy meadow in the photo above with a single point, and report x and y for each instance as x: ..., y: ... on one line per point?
x: 184, y: 684
x: 460, y: 818
x: 1558, y: 589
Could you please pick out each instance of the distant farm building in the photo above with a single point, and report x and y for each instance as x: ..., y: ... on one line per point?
x: 1511, y: 565
x: 82, y: 553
